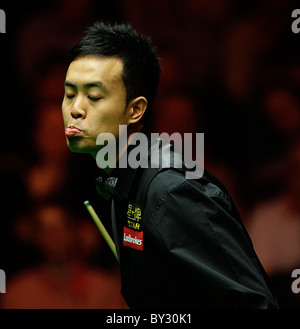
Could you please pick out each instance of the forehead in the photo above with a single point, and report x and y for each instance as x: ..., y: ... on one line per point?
x: 90, y: 68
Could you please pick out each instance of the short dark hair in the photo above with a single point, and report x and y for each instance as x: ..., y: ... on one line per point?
x: 141, y: 65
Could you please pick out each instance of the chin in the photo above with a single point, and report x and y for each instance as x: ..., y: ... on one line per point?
x: 77, y: 147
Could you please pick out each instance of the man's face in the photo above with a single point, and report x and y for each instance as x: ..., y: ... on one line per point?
x: 94, y: 101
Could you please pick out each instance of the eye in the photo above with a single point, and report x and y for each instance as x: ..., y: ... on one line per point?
x: 70, y: 96
x: 94, y: 99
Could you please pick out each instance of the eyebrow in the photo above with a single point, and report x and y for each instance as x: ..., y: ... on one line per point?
x: 89, y: 85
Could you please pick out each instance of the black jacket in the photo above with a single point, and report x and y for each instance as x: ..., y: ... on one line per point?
x: 181, y: 242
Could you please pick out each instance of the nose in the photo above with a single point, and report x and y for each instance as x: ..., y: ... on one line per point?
x: 78, y: 109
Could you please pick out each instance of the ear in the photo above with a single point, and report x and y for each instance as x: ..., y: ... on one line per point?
x: 137, y: 107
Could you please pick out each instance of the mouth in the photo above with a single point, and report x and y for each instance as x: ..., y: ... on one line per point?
x: 73, y: 131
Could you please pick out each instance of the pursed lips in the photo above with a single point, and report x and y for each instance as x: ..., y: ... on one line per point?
x: 72, y: 131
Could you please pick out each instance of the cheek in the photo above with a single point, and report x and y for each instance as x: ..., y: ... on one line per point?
x: 111, y: 113
x: 65, y: 113
x: 63, y: 110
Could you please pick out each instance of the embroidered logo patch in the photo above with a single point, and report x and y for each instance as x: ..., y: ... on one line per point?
x: 134, y: 216
x: 133, y: 232
x: 133, y: 239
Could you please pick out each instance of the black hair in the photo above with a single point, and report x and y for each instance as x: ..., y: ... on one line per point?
x: 141, y: 65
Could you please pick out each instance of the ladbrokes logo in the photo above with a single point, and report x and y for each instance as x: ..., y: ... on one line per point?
x: 133, y: 239
x: 2, y: 21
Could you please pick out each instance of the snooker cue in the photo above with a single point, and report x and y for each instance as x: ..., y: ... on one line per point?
x: 101, y: 228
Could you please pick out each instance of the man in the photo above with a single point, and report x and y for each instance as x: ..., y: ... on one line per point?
x: 180, y: 241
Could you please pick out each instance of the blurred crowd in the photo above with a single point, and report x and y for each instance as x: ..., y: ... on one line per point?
x: 231, y: 70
